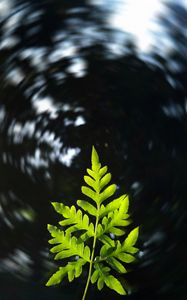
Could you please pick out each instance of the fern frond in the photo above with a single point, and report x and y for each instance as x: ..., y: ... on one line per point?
x: 109, y: 223
x: 97, y: 181
x: 102, y: 276
x: 67, y: 246
x: 115, y: 204
x: 75, y: 218
x: 86, y: 206
x: 114, y: 218
x: 120, y: 252
x: 72, y: 270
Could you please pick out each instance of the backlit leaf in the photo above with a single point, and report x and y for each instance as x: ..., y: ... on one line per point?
x: 105, y: 180
x: 125, y: 257
x: 100, y: 223
x: 108, y: 192
x: 115, y: 285
x: 131, y: 238
x: 92, y: 173
x: 91, y: 182
x: 89, y: 192
x: 87, y: 207
x: 95, y: 157
x: 102, y: 171
x: 56, y: 277
x: 116, y: 265
x: 100, y: 283
x: 95, y: 276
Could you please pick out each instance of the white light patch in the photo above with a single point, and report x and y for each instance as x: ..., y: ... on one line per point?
x: 77, y: 68
x: 68, y: 155
x: 138, y: 18
x: 9, y: 42
x: 5, y: 6
x: 36, y: 56
x: 183, y: 2
x: 15, y: 76
x: 46, y: 104
x: 80, y: 121
x: 2, y: 114
x: 62, y: 50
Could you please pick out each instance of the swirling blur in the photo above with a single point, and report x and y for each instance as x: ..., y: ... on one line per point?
x: 78, y: 73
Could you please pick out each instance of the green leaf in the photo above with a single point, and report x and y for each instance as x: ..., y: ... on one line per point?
x: 92, y: 173
x: 56, y: 277
x: 71, y: 275
x: 105, y: 180
x: 102, y: 171
x: 102, y: 276
x: 100, y: 283
x: 69, y: 246
x: 77, y: 227
x: 87, y: 253
x: 132, y: 250
x: 116, y: 265
x: 89, y: 193
x: 127, y: 258
x: 115, y: 285
x: 131, y: 238
x: 115, y: 204
x: 72, y: 269
x: 95, y: 276
x: 75, y: 219
x: 106, y: 250
x: 61, y: 208
x: 114, y: 218
x: 91, y: 182
x: 95, y: 157
x: 105, y: 239
x: 57, y: 248
x: 108, y: 192
x: 117, y: 231
x: 95, y: 160
x: 86, y: 206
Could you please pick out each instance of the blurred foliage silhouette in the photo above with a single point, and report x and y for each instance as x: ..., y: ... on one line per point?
x: 69, y: 80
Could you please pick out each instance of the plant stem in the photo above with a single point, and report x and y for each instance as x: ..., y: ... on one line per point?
x: 92, y: 255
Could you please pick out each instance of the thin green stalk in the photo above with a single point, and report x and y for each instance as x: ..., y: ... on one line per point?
x: 92, y: 257
x: 93, y: 247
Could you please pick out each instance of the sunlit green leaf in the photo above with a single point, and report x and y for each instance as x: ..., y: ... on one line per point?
x: 105, y: 180
x: 102, y: 171
x: 115, y: 264
x: 93, y: 174
x: 87, y: 207
x: 102, y: 224
x: 100, y: 283
x: 125, y: 257
x: 89, y: 192
x: 114, y: 284
x: 56, y: 277
x: 95, y: 157
x: 71, y: 275
x: 91, y: 182
x: 95, y: 276
x: 131, y: 238
x: 108, y: 192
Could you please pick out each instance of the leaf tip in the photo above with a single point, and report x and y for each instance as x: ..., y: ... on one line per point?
x: 54, y: 204
x: 49, y: 226
x: 95, y: 157
x: 136, y: 230
x: 47, y: 283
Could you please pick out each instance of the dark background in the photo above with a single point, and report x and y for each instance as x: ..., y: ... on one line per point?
x: 133, y: 108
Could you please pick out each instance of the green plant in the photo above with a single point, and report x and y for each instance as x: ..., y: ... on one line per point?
x: 106, y: 250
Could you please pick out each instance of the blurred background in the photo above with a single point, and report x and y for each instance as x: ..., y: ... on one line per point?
x: 79, y: 73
